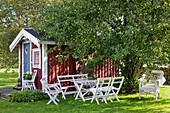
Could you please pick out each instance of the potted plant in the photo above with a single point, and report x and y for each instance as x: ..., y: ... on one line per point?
x: 27, y: 76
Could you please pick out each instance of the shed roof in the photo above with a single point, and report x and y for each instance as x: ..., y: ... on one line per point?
x: 40, y: 36
x: 31, y: 35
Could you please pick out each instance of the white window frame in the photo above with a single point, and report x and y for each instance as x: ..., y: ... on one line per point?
x: 35, y: 50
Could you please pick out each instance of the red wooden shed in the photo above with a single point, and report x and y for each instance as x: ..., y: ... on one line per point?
x: 33, y: 55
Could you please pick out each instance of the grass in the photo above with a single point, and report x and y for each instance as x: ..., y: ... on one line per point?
x: 9, y: 70
x: 129, y: 103
x: 8, y: 79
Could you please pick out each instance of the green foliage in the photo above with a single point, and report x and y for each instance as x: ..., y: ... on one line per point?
x: 26, y: 96
x: 27, y: 76
x: 92, y: 78
x: 15, y: 15
x: 130, y: 32
x: 134, y: 32
x: 108, y: 29
x: 130, y: 85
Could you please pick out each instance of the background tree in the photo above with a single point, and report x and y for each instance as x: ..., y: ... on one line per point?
x: 15, y: 15
x: 132, y: 32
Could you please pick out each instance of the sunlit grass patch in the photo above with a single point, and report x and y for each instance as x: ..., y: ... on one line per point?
x: 8, y: 80
x: 129, y: 103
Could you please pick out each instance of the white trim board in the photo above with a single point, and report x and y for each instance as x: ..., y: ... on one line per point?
x: 24, y: 33
x: 19, y: 58
x: 39, y: 50
x: 44, y: 62
x: 48, y: 42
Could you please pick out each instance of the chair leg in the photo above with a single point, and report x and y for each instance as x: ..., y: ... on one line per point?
x: 34, y: 86
x: 56, y: 98
x: 49, y: 102
x: 110, y: 99
x: 159, y: 95
x: 55, y: 103
x: 87, y: 92
x: 156, y: 95
x: 92, y: 99
x: 75, y: 94
x: 139, y: 94
x: 97, y: 101
x: 116, y: 97
x: 63, y: 96
x: 52, y: 98
x: 104, y: 98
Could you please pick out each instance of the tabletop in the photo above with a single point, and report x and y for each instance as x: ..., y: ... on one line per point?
x: 84, y: 81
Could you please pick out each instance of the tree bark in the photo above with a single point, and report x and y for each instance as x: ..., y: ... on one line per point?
x: 137, y: 66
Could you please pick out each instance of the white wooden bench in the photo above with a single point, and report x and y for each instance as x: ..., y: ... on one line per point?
x: 67, y: 81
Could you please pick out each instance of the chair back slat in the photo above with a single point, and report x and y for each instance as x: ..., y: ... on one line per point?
x: 29, y: 84
x: 103, y: 83
x: 66, y: 82
x: 34, y: 75
x: 52, y: 90
x: 44, y: 83
x: 116, y: 83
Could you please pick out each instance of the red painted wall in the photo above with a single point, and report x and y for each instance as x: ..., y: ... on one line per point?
x: 20, y: 60
x: 39, y: 70
x: 109, y: 69
x: 57, y: 69
x: 66, y: 68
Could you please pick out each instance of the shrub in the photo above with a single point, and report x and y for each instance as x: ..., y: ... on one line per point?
x: 26, y: 96
x: 92, y: 78
x: 130, y: 85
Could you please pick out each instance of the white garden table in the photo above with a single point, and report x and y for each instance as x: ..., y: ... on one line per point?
x: 79, y: 86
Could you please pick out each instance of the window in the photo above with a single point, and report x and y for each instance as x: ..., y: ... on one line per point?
x: 36, y: 58
x: 26, y: 50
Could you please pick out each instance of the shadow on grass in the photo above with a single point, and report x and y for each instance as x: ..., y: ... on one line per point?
x: 126, y: 104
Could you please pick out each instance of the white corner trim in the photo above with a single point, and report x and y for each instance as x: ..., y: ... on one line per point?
x: 16, y: 40
x: 32, y: 38
x: 24, y: 33
x: 44, y: 62
x: 48, y: 42
x: 19, y: 58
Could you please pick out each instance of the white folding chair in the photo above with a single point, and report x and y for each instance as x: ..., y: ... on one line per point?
x: 100, y: 90
x: 52, y: 90
x: 115, y: 86
x: 30, y: 84
x: 153, y: 85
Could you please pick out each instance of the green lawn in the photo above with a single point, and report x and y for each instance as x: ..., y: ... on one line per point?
x: 9, y: 79
x: 129, y: 103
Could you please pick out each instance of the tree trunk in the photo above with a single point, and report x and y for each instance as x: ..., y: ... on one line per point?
x: 130, y: 72
x: 137, y: 67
